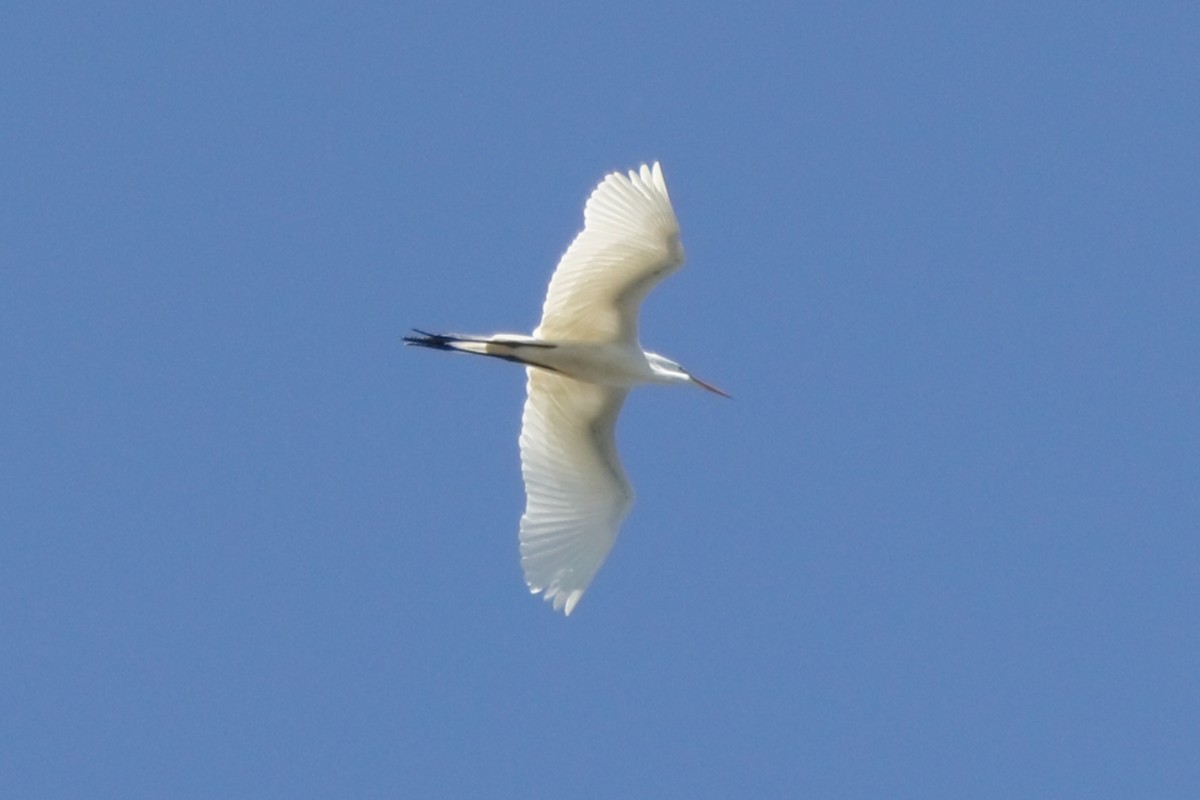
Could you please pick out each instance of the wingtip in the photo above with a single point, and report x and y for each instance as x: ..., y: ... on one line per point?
x: 650, y: 172
x: 651, y: 175
x: 572, y: 600
x: 559, y: 599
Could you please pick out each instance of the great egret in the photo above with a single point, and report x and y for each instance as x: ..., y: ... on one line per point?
x: 581, y: 361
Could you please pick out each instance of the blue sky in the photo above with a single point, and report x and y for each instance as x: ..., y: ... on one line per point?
x: 943, y: 543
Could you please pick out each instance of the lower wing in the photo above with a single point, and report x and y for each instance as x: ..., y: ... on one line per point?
x: 576, y: 492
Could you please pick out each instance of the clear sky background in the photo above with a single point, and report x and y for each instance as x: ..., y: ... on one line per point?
x: 942, y: 544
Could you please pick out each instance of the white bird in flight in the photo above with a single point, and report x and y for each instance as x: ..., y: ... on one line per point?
x: 581, y: 361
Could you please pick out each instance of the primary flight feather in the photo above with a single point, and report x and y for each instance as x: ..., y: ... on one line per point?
x: 581, y: 361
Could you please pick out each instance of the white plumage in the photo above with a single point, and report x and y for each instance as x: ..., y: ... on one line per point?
x: 581, y: 361
x: 576, y: 492
x: 629, y: 242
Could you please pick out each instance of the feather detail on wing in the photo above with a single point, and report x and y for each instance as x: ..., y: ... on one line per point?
x: 629, y: 242
x: 576, y: 491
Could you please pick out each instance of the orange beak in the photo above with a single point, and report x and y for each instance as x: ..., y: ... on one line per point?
x: 708, y: 386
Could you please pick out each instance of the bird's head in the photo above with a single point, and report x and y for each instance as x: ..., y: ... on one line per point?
x: 668, y: 371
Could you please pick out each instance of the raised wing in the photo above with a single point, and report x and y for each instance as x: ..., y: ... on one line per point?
x: 576, y: 493
x: 629, y: 242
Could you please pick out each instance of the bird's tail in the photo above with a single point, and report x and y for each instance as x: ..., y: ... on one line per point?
x: 445, y: 341
x: 508, y: 346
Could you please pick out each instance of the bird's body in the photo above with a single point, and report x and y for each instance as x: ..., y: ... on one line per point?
x: 581, y: 361
x: 611, y: 364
